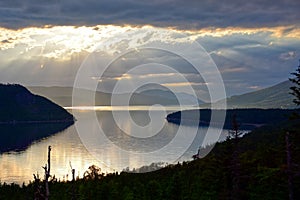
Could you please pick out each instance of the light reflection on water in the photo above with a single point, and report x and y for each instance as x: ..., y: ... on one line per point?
x: 131, y: 108
x: 67, y: 147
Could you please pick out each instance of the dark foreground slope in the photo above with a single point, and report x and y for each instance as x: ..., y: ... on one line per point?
x: 18, y: 105
x: 25, y: 118
x: 262, y: 174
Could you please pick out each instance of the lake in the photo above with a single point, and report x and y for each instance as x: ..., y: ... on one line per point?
x: 111, y: 138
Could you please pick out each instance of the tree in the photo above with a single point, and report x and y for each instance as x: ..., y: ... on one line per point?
x: 93, y: 173
x: 47, y: 174
x: 296, y: 92
x: 235, y: 135
x: 39, y: 194
x: 296, y: 88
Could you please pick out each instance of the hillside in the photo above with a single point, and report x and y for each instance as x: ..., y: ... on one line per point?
x: 18, y: 104
x: 59, y: 95
x: 157, y: 90
x: 63, y: 97
x: 186, y: 99
x: 276, y: 96
x: 248, y: 119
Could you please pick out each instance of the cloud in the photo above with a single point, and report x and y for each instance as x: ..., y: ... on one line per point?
x: 254, y: 43
x: 234, y: 70
x: 190, y: 14
x: 255, y: 87
x: 181, y: 84
x: 288, y: 55
x: 245, y: 57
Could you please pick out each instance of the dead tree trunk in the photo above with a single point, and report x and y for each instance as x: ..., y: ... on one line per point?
x: 73, y: 185
x: 47, y: 175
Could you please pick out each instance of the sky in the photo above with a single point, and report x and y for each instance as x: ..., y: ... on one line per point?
x: 254, y: 44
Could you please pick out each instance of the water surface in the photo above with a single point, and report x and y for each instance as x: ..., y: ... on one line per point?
x: 123, y: 144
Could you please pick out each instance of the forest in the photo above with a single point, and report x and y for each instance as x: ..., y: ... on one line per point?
x: 250, y: 117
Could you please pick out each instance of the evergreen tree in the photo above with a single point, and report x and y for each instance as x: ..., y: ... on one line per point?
x: 296, y: 88
x: 296, y: 92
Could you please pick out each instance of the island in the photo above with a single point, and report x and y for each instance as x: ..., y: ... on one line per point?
x: 26, y: 117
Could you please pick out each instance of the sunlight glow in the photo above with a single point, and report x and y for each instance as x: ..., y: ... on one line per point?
x: 131, y: 108
x: 276, y: 32
x: 61, y: 42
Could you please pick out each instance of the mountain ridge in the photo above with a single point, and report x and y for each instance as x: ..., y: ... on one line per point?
x: 276, y: 96
x: 19, y: 105
x: 63, y: 96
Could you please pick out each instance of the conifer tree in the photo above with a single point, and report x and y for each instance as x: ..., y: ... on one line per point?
x: 296, y: 92
x: 296, y: 88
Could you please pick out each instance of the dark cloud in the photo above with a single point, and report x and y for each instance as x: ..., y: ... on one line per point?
x: 255, y: 60
x: 5, y: 41
x: 183, y: 14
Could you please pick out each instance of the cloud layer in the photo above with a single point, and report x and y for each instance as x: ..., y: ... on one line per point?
x: 248, y: 59
x: 189, y: 14
x: 254, y: 43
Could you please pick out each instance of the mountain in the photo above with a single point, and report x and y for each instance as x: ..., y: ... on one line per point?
x: 276, y: 96
x: 59, y: 95
x: 186, y: 99
x: 143, y: 99
x: 151, y: 86
x: 25, y: 118
x: 18, y: 104
x: 63, y: 96
x: 157, y: 90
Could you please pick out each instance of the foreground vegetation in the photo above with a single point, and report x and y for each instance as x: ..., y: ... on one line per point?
x: 262, y: 174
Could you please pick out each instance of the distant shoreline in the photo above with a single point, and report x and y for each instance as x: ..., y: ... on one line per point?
x: 247, y: 118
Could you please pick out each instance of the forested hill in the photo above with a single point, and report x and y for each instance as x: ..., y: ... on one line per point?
x: 19, y: 105
x: 277, y: 96
x: 247, y: 118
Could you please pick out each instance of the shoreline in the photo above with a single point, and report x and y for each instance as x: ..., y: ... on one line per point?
x: 201, y: 123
